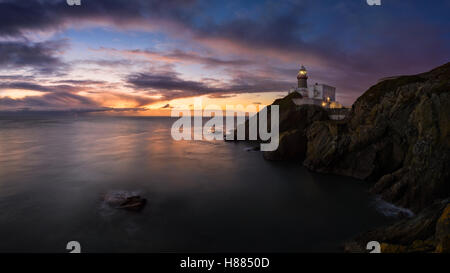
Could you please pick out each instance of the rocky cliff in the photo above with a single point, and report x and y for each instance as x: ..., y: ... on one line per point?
x: 294, y: 122
x: 397, y: 135
x: 426, y: 232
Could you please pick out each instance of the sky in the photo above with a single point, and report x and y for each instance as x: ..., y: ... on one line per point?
x: 145, y: 57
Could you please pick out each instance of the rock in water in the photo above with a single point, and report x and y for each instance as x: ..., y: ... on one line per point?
x: 253, y: 149
x: 123, y: 200
x: 428, y: 231
x: 134, y: 203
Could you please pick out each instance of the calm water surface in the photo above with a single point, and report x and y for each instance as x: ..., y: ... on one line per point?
x: 202, y: 196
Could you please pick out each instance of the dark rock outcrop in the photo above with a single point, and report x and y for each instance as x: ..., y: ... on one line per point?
x: 124, y: 200
x: 294, y: 122
x: 397, y: 135
x: 133, y: 203
x: 293, y: 128
x: 429, y: 231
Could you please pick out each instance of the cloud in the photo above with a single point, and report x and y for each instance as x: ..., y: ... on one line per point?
x: 69, y: 95
x: 50, y: 101
x: 16, y: 77
x: 221, y: 96
x: 18, y: 18
x: 169, y: 85
x: 108, y: 63
x: 40, y: 57
x: 67, y: 101
x: 25, y: 86
x: 318, y: 33
x: 344, y: 43
x: 122, y: 98
x: 33, y: 86
x: 179, y: 56
x: 81, y: 82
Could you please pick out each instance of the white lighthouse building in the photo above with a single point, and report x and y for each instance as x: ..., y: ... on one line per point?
x: 317, y: 94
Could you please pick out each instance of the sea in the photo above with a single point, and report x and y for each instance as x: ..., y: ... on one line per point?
x: 202, y: 196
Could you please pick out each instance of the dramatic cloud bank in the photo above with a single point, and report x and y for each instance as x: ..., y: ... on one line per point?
x: 141, y: 54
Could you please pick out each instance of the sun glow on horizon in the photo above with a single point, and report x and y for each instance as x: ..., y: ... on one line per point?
x: 20, y: 93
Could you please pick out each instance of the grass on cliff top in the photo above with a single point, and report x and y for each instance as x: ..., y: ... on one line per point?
x: 286, y: 102
x: 373, y: 95
x: 441, y: 73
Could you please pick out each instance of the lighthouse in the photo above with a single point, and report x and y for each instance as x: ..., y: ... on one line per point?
x: 318, y: 94
x: 302, y: 78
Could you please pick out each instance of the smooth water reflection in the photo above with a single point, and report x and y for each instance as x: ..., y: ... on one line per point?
x: 203, y: 196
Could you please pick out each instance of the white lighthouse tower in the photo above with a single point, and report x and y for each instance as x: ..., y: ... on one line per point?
x: 302, y: 79
x: 317, y: 94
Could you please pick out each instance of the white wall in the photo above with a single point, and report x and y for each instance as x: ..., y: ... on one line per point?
x: 317, y: 91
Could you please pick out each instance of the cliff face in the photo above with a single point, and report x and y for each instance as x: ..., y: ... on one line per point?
x: 294, y: 122
x: 429, y: 231
x: 397, y: 135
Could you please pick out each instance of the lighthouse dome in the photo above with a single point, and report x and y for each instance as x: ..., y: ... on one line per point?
x: 302, y: 73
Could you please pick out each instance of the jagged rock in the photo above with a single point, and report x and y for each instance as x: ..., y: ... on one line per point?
x: 294, y: 122
x: 429, y: 231
x: 397, y: 135
x: 124, y: 200
x: 442, y: 235
x: 287, y: 120
x: 292, y: 146
x: 134, y: 203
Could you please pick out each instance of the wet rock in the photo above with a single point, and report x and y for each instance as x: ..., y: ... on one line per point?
x: 125, y: 200
x: 428, y: 231
x: 442, y: 235
x: 253, y: 149
x: 134, y: 203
